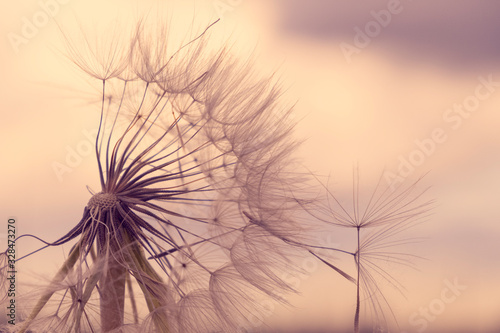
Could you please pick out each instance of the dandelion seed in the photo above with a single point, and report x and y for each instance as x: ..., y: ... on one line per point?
x: 377, y: 228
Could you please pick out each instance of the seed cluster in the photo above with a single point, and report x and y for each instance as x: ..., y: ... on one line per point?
x: 103, y: 201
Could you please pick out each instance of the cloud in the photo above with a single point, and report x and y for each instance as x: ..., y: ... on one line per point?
x: 457, y: 32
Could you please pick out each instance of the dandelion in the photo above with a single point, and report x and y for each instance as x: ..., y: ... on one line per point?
x: 195, y: 212
x: 378, y: 227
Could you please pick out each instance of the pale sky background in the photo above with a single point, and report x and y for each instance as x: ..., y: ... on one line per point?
x: 369, y: 110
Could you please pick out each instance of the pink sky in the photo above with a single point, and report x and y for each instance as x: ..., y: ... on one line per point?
x: 374, y: 109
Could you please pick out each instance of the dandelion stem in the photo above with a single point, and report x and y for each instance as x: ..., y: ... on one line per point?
x: 132, y: 299
x: 356, y: 315
x: 141, y: 264
x: 90, y: 285
x: 112, y: 292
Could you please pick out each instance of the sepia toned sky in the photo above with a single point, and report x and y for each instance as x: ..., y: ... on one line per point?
x: 367, y: 93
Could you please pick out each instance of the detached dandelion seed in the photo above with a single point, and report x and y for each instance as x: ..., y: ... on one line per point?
x: 195, y: 213
x: 377, y: 227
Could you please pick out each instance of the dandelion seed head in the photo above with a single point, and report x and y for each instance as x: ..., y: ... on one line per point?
x: 103, y: 201
x: 195, y: 208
